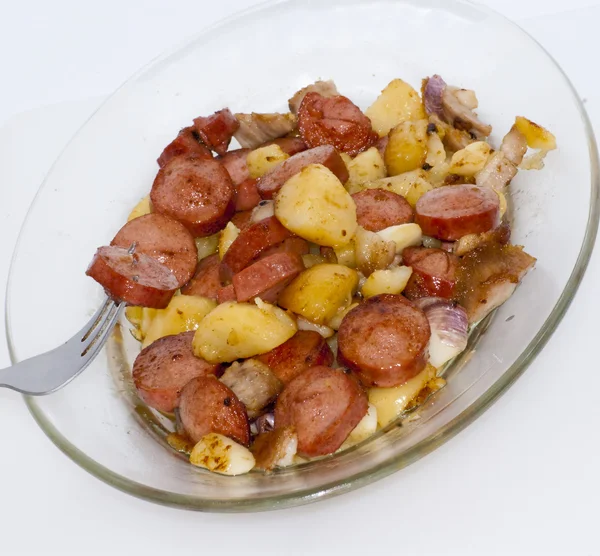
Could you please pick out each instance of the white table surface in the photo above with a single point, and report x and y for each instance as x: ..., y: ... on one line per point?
x: 523, y: 479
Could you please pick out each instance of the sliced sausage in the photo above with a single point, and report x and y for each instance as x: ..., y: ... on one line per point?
x: 267, y: 277
x: 243, y: 219
x: 163, y: 238
x: 334, y: 121
x: 303, y: 350
x: 197, y: 192
x: 187, y: 143
x: 324, y: 405
x: 217, y: 130
x: 269, y: 184
x: 384, y: 340
x: 226, y: 293
x: 295, y: 245
x: 161, y: 370
x: 377, y: 209
x: 235, y: 164
x: 206, y: 281
x: 452, y: 212
x: 289, y: 145
x: 135, y: 278
x: 247, y: 196
x: 252, y: 242
x: 207, y: 405
x: 434, y: 272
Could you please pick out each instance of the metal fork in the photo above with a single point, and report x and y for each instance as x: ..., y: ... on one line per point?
x: 47, y: 372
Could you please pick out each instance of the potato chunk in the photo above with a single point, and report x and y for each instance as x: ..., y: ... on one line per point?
x: 315, y: 205
x: 367, y: 166
x: 392, y: 280
x: 407, y: 147
x: 260, y: 161
x: 537, y: 137
x: 397, y: 103
x: 240, y: 330
x: 411, y: 185
x: 470, y: 160
x: 320, y: 292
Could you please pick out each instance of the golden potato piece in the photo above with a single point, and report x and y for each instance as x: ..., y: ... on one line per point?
x: 227, y: 237
x: 260, y: 161
x: 142, y: 208
x: 536, y: 136
x: 470, y: 160
x: 367, y: 166
x: 393, y: 280
x: 207, y: 246
x: 407, y: 147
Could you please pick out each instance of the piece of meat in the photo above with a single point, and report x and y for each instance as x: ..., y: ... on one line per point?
x: 448, y: 213
x: 253, y: 383
x: 206, y: 281
x: 497, y: 172
x: 384, y: 340
x: 289, y: 145
x: 324, y: 405
x: 514, y: 146
x: 251, y: 243
x: 217, y: 130
x: 488, y: 275
x: 134, y: 278
x: 295, y: 245
x: 501, y: 235
x: 255, y: 129
x: 275, y: 448
x: 442, y: 101
x: 335, y: 121
x: 269, y: 184
x: 197, y: 192
x: 303, y: 350
x: 206, y: 405
x: 163, y: 238
x: 434, y: 272
x: 267, y: 277
x: 242, y: 219
x: 187, y: 143
x: 226, y: 293
x: 235, y: 164
x: 452, y: 138
x: 247, y: 196
x: 161, y: 370
x: 324, y: 88
x: 377, y: 209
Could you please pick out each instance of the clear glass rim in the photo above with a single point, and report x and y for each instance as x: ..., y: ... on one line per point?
x: 420, y: 449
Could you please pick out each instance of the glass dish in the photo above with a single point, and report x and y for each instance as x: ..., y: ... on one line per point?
x: 255, y: 61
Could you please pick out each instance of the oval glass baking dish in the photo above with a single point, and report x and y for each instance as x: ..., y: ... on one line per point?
x: 255, y: 61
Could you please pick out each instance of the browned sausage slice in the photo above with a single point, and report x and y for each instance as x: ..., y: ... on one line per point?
x: 197, y: 192
x: 334, y: 121
x: 185, y: 144
x: 295, y: 245
x: 384, y: 340
x: 377, y: 209
x: 452, y: 212
x: 434, y: 272
x: 163, y: 238
x: 136, y: 278
x: 206, y: 281
x: 247, y: 196
x: 324, y: 405
x: 235, y: 164
x: 242, y: 219
x: 252, y: 242
x: 226, y: 293
x: 207, y: 405
x: 161, y: 370
x: 217, y: 129
x: 267, y: 277
x: 303, y: 350
x: 289, y: 145
x: 269, y: 184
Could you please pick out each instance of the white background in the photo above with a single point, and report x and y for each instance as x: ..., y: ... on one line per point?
x: 523, y: 479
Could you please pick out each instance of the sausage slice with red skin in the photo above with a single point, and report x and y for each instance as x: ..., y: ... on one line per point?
x: 267, y: 277
x: 206, y: 281
x: 324, y: 405
x: 334, y: 121
x: 377, y: 209
x: 187, y: 143
x: 289, y: 145
x: 242, y: 219
x: 226, y: 293
x: 135, y: 278
x: 163, y: 238
x: 217, y: 130
x: 295, y: 245
x: 206, y: 405
x: 162, y: 369
x: 197, y: 192
x: 384, y: 340
x: 303, y: 350
x: 449, y: 213
x: 434, y: 272
x: 247, y: 196
x: 235, y: 164
x: 252, y: 242
x: 269, y: 184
